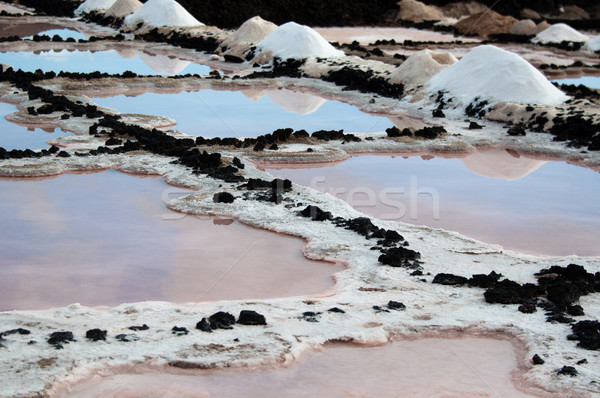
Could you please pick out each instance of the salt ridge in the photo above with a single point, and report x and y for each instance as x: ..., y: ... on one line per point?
x: 493, y: 74
x: 593, y: 45
x: 422, y: 66
x: 122, y: 8
x: 292, y: 40
x: 157, y: 13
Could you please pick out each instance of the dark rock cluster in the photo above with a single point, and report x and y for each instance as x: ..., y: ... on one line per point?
x: 364, y: 81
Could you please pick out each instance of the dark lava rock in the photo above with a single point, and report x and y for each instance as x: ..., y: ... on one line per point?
x: 510, y: 292
x: 63, y: 154
x: 204, y: 326
x: 315, y: 213
x: 527, y: 308
x: 310, y: 316
x: 475, y: 126
x: 438, y: 113
x: 575, y: 310
x: 138, y: 328
x: 20, y: 331
x: 430, y: 133
x: 127, y: 338
x: 273, y: 147
x: 233, y: 59
x: 537, y: 360
x: 336, y: 310
x: 179, y: 331
x: 113, y: 141
x: 587, y: 333
x: 582, y: 361
x: 251, y: 318
x: 517, y: 130
x: 238, y: 163
x: 567, y: 371
x: 396, y: 305
x: 559, y: 318
x: 223, y: 197
x: 393, y: 132
x: 449, y: 279
x: 484, y: 281
x: 259, y: 147
x: 58, y: 338
x: 399, y: 257
x: 96, y: 335
x: 278, y: 184
x: 221, y: 320
x: 364, y: 81
x: 379, y: 309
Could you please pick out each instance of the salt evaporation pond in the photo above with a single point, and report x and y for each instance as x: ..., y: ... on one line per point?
x: 428, y: 367
x: 212, y: 113
x: 108, y: 238
x: 527, y: 205
x: 62, y: 33
x: 13, y: 136
x: 111, y: 62
x: 588, y: 81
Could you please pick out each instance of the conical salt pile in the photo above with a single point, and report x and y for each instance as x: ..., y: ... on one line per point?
x: 93, y: 5
x: 292, y: 40
x: 421, y: 66
x: 122, y: 8
x: 495, y: 75
x: 558, y: 33
x: 157, y: 13
x: 248, y: 34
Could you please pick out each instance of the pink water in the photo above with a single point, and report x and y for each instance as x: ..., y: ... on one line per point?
x: 108, y: 238
x: 429, y: 367
x: 523, y: 204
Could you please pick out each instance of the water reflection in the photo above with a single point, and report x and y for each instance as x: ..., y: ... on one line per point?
x: 248, y: 113
x: 527, y: 205
x: 588, y: 81
x: 102, y: 61
x: 62, y: 33
x: 107, y: 238
x: 13, y: 136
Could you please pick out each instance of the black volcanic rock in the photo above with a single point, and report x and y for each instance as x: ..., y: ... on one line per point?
x: 251, y: 318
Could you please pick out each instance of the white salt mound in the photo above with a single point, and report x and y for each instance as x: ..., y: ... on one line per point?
x: 558, y: 33
x: 122, y: 8
x: 495, y: 75
x: 157, y: 13
x: 421, y: 66
x: 93, y: 5
x: 248, y: 34
x: 593, y: 45
x: 292, y: 40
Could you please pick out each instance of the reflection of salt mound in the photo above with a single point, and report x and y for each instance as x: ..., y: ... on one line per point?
x: 498, y: 163
x: 593, y: 45
x: 558, y: 33
x: 253, y: 94
x: 251, y: 32
x: 164, y: 64
x: 292, y: 101
x: 122, y: 8
x: 292, y: 40
x: 494, y: 74
x: 421, y: 67
x: 158, y: 13
x: 128, y: 54
x: 93, y: 5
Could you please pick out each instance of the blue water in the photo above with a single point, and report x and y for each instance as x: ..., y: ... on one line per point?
x: 13, y: 136
x: 536, y: 207
x: 102, y: 61
x: 211, y: 113
x: 588, y: 81
x: 62, y: 33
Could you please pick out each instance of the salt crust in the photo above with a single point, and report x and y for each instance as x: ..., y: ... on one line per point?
x: 93, y: 5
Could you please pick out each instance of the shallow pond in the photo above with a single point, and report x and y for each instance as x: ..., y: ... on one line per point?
x: 13, y: 136
x: 108, y: 238
x: 111, y: 62
x: 212, y: 113
x: 526, y: 205
x: 62, y: 33
x: 588, y: 81
x: 429, y: 367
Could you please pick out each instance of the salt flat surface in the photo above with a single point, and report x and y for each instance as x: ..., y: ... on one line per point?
x: 367, y: 35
